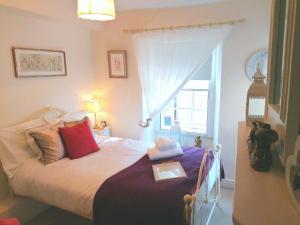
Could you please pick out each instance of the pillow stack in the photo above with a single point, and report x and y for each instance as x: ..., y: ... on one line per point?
x: 69, y: 135
x: 73, y: 139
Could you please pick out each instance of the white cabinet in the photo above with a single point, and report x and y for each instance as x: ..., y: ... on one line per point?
x: 102, y: 131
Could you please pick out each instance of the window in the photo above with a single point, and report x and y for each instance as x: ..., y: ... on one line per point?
x: 189, y: 107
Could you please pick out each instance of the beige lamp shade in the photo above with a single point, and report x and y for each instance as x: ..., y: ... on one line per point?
x: 93, y: 106
x: 101, y: 10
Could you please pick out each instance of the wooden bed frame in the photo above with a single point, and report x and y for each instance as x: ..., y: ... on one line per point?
x: 200, y: 201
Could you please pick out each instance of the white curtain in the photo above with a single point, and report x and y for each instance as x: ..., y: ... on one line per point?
x: 167, y: 60
x: 214, y: 93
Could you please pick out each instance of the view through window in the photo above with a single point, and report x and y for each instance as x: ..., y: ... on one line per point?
x: 189, y: 107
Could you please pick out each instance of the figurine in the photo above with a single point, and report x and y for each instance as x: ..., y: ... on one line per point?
x: 198, y: 142
x: 259, y: 144
x: 251, y: 140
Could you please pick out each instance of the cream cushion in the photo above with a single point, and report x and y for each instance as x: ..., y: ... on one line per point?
x: 14, y: 149
x: 49, y: 143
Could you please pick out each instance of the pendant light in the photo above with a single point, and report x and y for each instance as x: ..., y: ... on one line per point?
x: 101, y: 10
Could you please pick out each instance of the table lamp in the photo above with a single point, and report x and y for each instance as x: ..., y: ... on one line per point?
x: 93, y: 106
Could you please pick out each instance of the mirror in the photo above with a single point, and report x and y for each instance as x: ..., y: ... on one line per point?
x: 277, y: 58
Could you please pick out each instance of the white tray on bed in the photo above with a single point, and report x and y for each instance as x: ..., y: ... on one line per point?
x: 168, y: 171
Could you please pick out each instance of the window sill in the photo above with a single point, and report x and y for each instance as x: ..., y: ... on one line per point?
x: 183, y: 133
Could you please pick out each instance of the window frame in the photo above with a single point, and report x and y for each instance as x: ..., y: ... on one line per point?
x: 175, y: 107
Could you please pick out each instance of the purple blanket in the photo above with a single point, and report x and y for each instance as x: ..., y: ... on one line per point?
x: 132, y: 197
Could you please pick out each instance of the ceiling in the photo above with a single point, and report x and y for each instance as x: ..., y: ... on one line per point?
x: 65, y: 10
x: 147, y: 4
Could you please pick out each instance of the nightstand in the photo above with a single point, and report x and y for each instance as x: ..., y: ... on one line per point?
x: 102, y: 131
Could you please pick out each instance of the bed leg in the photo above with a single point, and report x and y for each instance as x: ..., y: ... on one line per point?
x: 218, y: 182
x: 188, y: 209
x: 218, y: 191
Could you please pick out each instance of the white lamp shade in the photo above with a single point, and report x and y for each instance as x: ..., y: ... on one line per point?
x: 102, y: 10
x: 93, y: 106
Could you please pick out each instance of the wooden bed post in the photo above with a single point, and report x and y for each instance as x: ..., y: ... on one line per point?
x: 188, y: 209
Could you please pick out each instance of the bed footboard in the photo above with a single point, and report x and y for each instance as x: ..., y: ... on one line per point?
x: 196, y: 203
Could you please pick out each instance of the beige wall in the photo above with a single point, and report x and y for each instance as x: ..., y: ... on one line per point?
x: 122, y: 97
x: 234, y: 85
x: 86, y: 55
x: 21, y: 96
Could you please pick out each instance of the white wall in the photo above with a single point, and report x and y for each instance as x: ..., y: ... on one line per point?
x: 242, y: 42
x: 19, y: 97
x: 122, y: 103
x: 122, y: 97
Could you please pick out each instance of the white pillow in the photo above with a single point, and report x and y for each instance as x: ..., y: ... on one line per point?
x: 52, y: 115
x: 14, y: 148
x: 73, y: 116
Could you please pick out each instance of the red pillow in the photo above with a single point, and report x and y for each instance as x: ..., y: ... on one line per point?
x: 10, y: 221
x: 78, y: 140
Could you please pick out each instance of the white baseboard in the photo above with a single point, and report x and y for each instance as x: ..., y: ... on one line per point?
x: 227, y: 183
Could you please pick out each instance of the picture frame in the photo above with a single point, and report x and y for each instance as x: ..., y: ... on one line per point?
x: 117, y: 63
x: 168, y: 171
x: 30, y: 62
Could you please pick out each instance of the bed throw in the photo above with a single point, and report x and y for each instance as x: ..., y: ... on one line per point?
x: 132, y: 197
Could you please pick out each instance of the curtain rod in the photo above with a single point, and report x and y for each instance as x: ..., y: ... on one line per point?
x: 191, y: 26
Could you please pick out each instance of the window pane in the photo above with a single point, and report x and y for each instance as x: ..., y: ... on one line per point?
x: 184, y: 99
x: 189, y: 107
x: 184, y: 116
x: 200, y: 120
x: 200, y: 100
x: 197, y: 84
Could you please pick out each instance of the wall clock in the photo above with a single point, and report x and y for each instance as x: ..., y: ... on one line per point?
x: 260, y: 58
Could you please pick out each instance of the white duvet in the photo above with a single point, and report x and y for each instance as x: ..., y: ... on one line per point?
x: 72, y: 184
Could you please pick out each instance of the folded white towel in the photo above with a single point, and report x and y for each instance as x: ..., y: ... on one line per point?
x: 155, y: 154
x: 165, y: 143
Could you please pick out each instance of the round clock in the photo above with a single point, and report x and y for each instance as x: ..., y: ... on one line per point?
x: 258, y: 58
x: 103, y: 123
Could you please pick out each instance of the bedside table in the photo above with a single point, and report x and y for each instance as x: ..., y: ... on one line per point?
x: 102, y: 131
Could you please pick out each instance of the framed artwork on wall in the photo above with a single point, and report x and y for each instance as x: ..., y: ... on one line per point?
x: 39, y: 63
x: 117, y: 63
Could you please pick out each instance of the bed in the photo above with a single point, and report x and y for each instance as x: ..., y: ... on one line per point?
x: 72, y: 184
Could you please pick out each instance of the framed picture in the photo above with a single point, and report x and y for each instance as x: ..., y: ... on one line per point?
x: 117, y: 62
x: 168, y: 171
x: 39, y: 62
